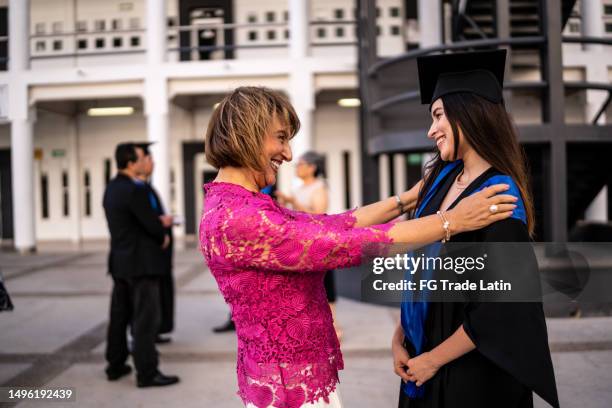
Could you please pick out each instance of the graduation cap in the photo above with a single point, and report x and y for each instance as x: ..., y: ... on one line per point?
x: 479, y: 72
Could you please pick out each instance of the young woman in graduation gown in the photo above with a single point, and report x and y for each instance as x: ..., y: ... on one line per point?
x: 472, y: 354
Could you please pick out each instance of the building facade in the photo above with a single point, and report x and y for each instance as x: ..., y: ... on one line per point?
x: 80, y: 76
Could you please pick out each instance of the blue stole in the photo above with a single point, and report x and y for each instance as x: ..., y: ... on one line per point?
x: 414, y: 311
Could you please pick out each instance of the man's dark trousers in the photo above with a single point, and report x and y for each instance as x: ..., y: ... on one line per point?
x: 135, y: 303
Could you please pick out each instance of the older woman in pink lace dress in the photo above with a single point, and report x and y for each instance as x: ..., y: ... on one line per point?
x: 269, y: 261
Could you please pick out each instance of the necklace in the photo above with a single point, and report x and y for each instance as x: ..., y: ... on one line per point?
x: 460, y: 185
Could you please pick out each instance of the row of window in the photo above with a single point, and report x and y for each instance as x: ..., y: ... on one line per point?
x: 338, y: 14
x: 322, y: 32
x: 82, y: 26
x: 84, y: 43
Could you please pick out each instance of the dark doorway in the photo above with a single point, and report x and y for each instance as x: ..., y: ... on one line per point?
x: 4, y: 43
x: 193, y: 12
x: 6, y: 195
x: 190, y: 150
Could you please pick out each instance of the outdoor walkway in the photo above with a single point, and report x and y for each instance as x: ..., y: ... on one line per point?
x: 56, y: 337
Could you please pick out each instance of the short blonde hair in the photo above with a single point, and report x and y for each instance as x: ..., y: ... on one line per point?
x: 237, y: 129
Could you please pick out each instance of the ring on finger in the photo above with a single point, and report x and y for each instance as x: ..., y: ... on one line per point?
x: 493, y: 208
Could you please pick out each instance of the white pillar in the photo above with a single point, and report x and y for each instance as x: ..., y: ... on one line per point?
x: 22, y: 169
x: 74, y: 190
x: 596, y: 70
x: 383, y: 177
x: 156, y: 110
x: 156, y: 31
x: 592, y: 21
x: 19, y: 25
x: 399, y: 169
x: 299, y: 38
x: 430, y: 22
x: 301, y: 84
x: 156, y: 98
x: 22, y: 150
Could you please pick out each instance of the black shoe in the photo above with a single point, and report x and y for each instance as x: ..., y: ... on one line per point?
x: 163, y: 340
x: 159, y: 380
x: 116, y: 373
x: 227, y: 327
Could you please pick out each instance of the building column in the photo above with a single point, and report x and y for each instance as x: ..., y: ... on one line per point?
x: 430, y: 22
x: 301, y: 85
x: 156, y: 98
x: 156, y: 111
x: 74, y: 190
x: 22, y: 137
x: 596, y: 71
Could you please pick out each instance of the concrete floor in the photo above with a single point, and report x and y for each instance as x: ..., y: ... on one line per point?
x: 55, y: 337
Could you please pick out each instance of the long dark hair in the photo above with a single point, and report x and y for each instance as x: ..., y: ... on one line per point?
x: 488, y: 128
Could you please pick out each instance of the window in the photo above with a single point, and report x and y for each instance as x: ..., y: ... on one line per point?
x: 252, y: 18
x: 252, y: 35
x: 608, y: 27
x: 117, y: 42
x: 116, y: 24
x: 134, y: 23
x: 100, y: 43
x: 58, y: 45
x: 99, y: 25
x: 271, y: 35
x: 608, y: 9
x: 286, y: 15
x: 574, y: 27
x: 287, y: 34
x: 57, y: 27
x: 87, y: 183
x: 321, y: 32
x: 377, y: 11
x: 107, y: 171
x: 339, y: 31
x: 41, y: 45
x: 44, y: 195
x: 81, y: 26
x: 339, y: 14
x: 171, y: 21
x: 82, y: 44
x: 135, y: 41
x: 270, y: 16
x: 346, y: 164
x: 394, y: 12
x: 126, y: 6
x: 65, y: 196
x: 378, y: 31
x: 395, y: 30
x: 39, y: 28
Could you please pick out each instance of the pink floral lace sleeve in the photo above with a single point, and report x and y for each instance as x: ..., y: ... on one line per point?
x: 269, y: 264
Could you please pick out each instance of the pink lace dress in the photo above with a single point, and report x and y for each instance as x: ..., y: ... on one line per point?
x: 269, y: 263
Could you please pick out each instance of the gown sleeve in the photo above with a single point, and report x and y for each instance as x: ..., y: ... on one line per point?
x: 513, y: 335
x: 268, y: 238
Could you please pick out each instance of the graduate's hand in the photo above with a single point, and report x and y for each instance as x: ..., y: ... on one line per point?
x: 400, y: 360
x: 422, y: 368
x: 474, y: 212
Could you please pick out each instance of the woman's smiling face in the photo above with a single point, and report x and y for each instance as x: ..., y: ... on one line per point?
x: 441, y: 132
x: 276, y: 149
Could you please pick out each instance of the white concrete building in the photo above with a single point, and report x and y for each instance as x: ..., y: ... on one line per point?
x: 167, y: 63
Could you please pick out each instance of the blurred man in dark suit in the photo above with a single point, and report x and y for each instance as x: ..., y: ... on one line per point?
x: 166, y: 281
x: 136, y: 262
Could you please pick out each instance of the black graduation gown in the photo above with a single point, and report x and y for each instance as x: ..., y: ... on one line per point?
x: 511, y: 358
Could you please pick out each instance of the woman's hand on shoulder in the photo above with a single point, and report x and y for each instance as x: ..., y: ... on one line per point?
x: 482, y: 209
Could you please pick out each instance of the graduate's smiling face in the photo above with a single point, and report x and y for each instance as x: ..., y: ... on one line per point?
x: 441, y: 132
